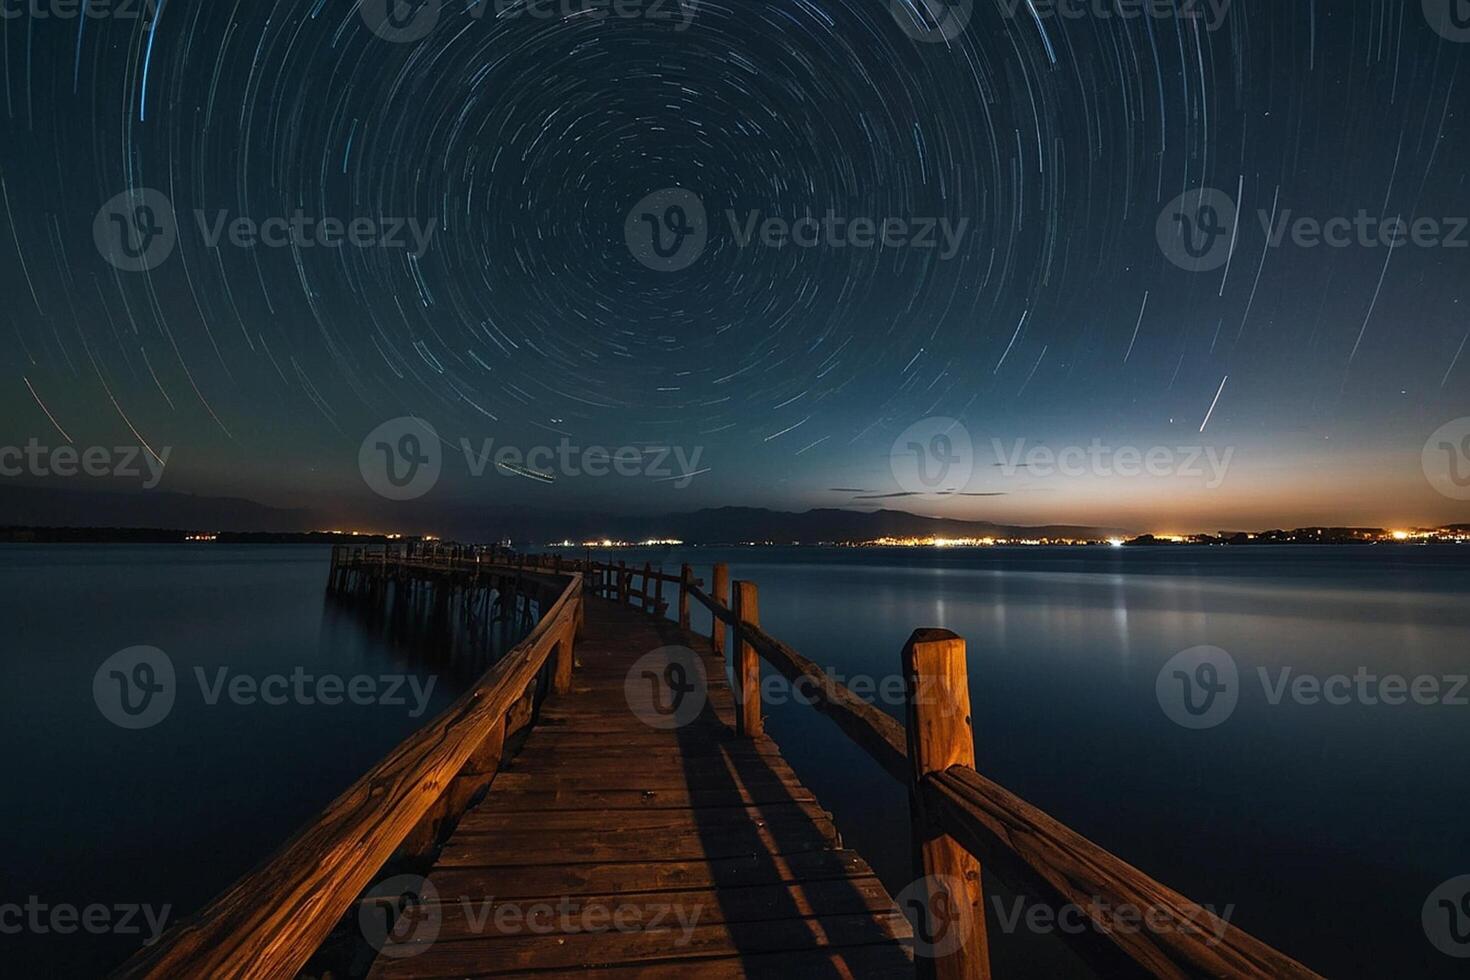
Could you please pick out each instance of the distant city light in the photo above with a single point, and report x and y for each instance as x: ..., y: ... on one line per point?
x: 610, y: 543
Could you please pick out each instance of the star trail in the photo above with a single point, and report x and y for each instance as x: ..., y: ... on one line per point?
x: 253, y: 231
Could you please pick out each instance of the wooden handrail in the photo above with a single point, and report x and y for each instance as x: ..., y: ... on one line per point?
x: 716, y: 609
x: 956, y: 811
x: 1176, y: 938
x: 875, y: 732
x: 1185, y: 939
x: 269, y: 923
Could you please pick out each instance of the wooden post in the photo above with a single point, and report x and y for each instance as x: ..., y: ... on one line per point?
x: 623, y: 577
x: 561, y: 671
x: 941, y: 735
x: 647, y: 585
x: 658, y: 592
x: 718, y: 590
x: 686, y: 575
x: 745, y: 600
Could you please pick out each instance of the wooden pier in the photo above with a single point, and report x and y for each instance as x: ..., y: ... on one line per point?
x: 604, y: 802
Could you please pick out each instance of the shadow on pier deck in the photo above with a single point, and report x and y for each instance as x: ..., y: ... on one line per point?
x: 610, y: 843
x: 604, y: 802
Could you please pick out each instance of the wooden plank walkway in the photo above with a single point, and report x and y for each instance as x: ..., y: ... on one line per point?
x: 610, y: 847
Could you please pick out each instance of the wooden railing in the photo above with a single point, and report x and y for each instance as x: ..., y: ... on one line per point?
x: 959, y: 817
x: 269, y: 923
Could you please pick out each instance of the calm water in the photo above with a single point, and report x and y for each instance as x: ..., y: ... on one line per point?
x: 170, y: 815
x: 1326, y: 827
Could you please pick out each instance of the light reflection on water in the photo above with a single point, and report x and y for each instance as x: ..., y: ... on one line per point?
x: 1326, y: 826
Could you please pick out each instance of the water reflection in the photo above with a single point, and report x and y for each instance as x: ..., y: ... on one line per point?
x: 1324, y: 825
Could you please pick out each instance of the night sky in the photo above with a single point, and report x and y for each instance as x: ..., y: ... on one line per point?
x: 523, y: 144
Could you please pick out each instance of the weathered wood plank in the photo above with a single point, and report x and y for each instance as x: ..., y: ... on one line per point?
x: 470, y: 916
x: 584, y: 879
x: 882, y: 960
x: 499, y: 956
x: 518, y: 849
x: 571, y: 798
x: 485, y: 820
x: 269, y: 923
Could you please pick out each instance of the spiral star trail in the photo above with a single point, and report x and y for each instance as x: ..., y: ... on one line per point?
x: 495, y: 154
